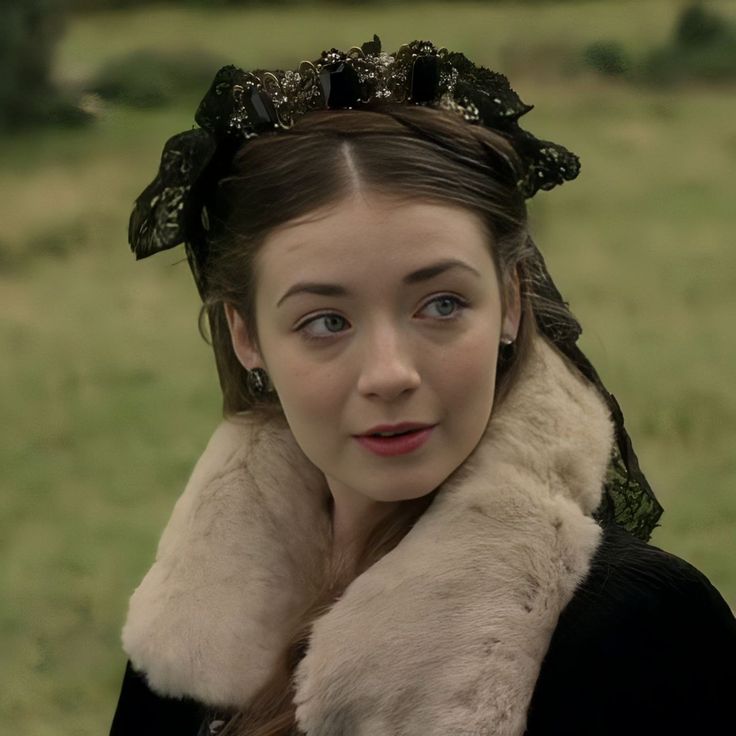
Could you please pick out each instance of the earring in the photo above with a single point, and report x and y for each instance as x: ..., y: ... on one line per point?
x: 506, y: 341
x: 259, y: 382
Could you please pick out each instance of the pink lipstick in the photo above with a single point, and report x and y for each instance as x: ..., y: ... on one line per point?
x: 398, y: 445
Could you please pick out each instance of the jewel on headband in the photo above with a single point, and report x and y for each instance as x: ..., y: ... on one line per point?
x: 240, y: 105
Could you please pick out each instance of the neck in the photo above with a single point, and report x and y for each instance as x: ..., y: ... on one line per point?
x: 354, y: 517
x: 351, y: 530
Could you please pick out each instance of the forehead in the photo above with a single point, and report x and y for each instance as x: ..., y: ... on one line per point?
x: 371, y: 234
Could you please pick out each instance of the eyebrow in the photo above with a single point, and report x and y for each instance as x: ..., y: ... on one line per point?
x: 415, y: 277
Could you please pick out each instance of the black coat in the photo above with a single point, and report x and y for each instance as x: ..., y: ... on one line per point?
x: 646, y: 646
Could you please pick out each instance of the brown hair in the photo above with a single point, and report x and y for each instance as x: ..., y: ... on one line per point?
x: 410, y: 152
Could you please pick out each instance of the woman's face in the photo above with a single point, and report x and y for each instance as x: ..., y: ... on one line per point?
x: 387, y: 348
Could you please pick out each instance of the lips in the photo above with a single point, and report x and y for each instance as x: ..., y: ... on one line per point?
x: 400, y: 428
x: 398, y: 445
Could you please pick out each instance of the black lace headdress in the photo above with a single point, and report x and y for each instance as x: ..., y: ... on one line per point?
x: 243, y: 104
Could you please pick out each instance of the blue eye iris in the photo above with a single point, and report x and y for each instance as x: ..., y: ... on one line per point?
x: 332, y: 319
x: 447, y: 300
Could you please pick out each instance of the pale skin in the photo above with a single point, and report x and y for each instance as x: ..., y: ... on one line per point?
x: 387, y: 351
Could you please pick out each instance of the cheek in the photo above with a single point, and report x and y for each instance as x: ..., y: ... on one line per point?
x: 468, y: 393
x: 468, y: 371
x: 309, y: 391
x: 312, y: 399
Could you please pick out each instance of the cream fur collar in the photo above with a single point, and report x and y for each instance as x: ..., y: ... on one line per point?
x: 444, y: 635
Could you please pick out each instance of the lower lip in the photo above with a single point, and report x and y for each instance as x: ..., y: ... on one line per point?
x: 399, y: 445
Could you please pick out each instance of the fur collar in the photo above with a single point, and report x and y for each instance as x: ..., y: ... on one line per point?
x: 445, y: 634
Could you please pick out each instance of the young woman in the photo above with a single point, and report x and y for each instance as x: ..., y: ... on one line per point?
x: 357, y: 230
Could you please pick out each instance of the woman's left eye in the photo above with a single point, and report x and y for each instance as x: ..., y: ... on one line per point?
x: 451, y: 299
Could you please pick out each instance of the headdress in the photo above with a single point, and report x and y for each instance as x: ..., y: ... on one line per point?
x: 241, y: 105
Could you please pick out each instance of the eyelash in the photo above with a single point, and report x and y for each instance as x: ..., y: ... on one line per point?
x: 461, y: 303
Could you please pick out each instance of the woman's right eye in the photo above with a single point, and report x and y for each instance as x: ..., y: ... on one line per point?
x: 308, y: 334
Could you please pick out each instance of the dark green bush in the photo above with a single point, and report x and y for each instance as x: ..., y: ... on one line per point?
x: 699, y: 27
x: 670, y: 64
x: 606, y: 57
x: 147, y: 77
x: 29, y: 32
x: 702, y: 47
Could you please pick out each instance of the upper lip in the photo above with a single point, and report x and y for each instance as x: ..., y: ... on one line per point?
x: 402, y: 427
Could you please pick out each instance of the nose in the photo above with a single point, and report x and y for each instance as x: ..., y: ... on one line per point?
x: 388, y: 366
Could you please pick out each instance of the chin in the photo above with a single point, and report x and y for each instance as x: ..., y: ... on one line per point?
x: 411, y: 496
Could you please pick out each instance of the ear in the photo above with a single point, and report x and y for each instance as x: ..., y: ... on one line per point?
x: 512, y: 317
x: 243, y: 346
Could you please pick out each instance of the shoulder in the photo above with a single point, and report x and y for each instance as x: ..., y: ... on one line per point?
x: 632, y: 578
x: 143, y: 712
x: 629, y: 577
x: 647, y: 643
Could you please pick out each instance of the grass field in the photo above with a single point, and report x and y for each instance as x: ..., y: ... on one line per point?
x: 110, y: 394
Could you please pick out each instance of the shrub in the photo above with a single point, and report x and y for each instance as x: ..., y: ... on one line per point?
x: 29, y: 33
x: 147, y: 77
x: 606, y: 57
x: 699, y: 27
x: 702, y: 47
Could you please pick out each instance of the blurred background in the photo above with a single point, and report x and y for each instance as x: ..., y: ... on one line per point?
x: 110, y: 394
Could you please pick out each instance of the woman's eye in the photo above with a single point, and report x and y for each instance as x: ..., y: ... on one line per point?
x: 454, y: 301
x: 326, y: 319
x: 449, y: 307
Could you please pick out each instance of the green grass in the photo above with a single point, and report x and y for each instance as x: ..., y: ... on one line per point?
x: 111, y: 394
